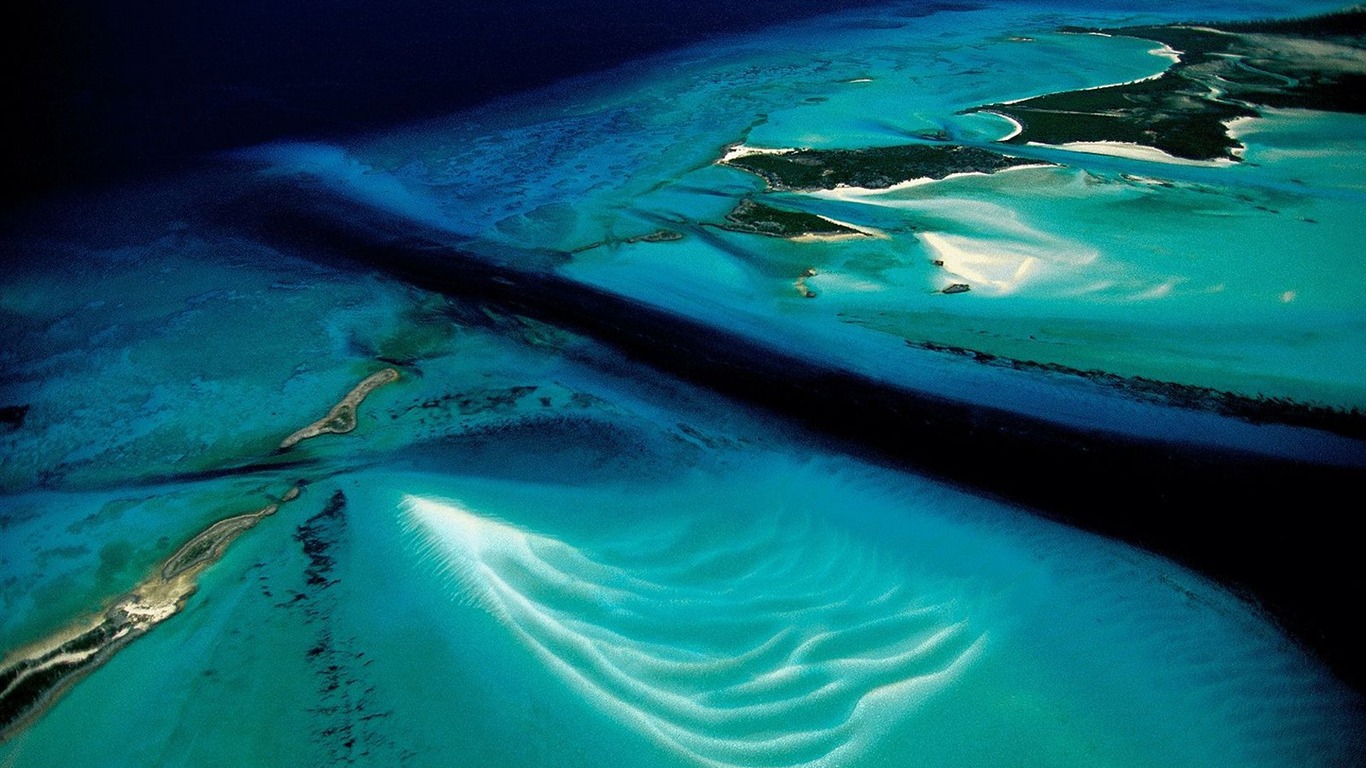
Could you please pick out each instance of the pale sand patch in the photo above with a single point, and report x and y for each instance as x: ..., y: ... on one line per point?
x: 854, y: 194
x: 1092, y: 288
x: 1239, y: 126
x: 1270, y: 120
x: 987, y: 267
x: 1235, y: 129
x: 737, y: 151
x: 1132, y: 151
x: 1016, y: 128
x: 812, y: 237
x: 1167, y: 52
x: 65, y: 658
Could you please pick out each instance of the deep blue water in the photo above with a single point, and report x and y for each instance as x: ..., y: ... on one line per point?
x: 107, y: 88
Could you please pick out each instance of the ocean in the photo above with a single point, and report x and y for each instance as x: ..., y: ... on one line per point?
x: 649, y: 488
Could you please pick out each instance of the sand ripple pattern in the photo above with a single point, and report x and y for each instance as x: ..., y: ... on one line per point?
x: 771, y: 645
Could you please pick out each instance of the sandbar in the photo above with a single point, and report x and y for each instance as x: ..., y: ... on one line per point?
x: 1132, y: 151
x: 342, y: 418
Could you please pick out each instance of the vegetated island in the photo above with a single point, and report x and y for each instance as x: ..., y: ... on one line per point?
x: 342, y: 418
x: 658, y: 236
x: 1256, y: 410
x: 1223, y: 71
x: 760, y: 219
x: 35, y: 677
x: 806, y: 170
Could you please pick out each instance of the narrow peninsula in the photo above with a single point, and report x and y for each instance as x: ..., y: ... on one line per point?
x: 807, y: 170
x: 34, y: 677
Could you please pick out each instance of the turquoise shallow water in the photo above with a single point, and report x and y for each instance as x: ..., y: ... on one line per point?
x: 766, y: 610
x: 1260, y: 256
x: 550, y: 555
x: 636, y: 573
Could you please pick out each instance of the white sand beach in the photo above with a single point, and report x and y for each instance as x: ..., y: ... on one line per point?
x: 737, y: 151
x: 855, y: 194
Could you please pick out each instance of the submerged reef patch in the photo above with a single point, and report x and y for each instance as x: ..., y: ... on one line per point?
x: 1257, y: 410
x: 349, y: 729
x: 12, y: 416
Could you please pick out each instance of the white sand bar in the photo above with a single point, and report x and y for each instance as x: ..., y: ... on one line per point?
x: 737, y: 151
x: 1016, y: 128
x: 1132, y: 151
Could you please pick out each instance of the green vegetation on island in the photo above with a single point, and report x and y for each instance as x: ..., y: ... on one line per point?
x: 1311, y: 63
x: 1346, y: 23
x: 34, y: 677
x: 1170, y: 113
x: 658, y: 236
x: 873, y: 168
x: 1224, y: 71
x: 759, y: 219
